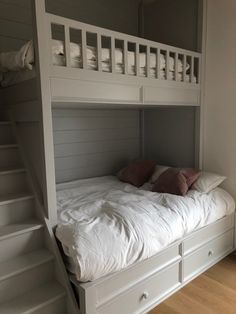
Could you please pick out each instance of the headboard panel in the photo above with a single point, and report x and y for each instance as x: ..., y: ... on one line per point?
x: 91, y: 143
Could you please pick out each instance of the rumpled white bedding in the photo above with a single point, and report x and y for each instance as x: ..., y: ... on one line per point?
x: 18, y: 60
x: 106, y: 225
x: 11, y: 63
x: 76, y: 55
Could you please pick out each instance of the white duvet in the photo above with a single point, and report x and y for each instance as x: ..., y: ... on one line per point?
x: 105, y: 225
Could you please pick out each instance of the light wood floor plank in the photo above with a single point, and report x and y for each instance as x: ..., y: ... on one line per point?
x: 214, y: 292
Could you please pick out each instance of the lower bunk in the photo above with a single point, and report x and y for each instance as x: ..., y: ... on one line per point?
x: 127, y: 249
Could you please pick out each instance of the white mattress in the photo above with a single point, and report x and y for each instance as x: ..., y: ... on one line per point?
x: 106, y: 225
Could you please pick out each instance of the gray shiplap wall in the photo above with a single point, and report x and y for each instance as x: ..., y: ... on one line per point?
x: 169, y: 136
x: 15, y: 24
x: 91, y: 143
x: 172, y: 22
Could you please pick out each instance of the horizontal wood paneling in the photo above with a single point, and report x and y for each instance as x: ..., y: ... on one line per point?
x: 18, y: 3
x: 15, y: 24
x: 91, y: 143
x: 10, y: 44
x: 8, y: 12
x: 15, y: 17
x: 170, y: 136
x: 15, y: 30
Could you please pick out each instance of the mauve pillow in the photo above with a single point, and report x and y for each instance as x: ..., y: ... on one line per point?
x: 191, y: 175
x: 171, y: 181
x: 137, y: 172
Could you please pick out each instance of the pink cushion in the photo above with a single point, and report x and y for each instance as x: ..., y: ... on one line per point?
x: 191, y: 175
x: 176, y: 180
x: 171, y: 181
x: 137, y: 172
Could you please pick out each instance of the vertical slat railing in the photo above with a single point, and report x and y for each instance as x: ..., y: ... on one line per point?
x: 99, y: 52
x: 167, y: 64
x: 148, y: 61
x: 192, y: 70
x: 113, y: 47
x: 176, y: 66
x: 137, y: 63
x: 158, y: 64
x: 84, y: 48
x: 125, y: 57
x: 67, y: 45
x: 199, y: 70
x: 184, y: 67
x: 193, y: 58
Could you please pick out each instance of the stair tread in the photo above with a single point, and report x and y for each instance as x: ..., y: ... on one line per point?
x: 9, y: 146
x: 11, y: 198
x: 22, y: 263
x: 35, y: 299
x: 9, y: 170
x: 19, y: 228
x: 5, y: 123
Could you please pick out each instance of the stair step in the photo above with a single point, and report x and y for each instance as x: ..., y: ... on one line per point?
x: 13, y: 230
x: 23, y: 282
x: 4, y: 146
x: 24, y: 263
x: 10, y: 170
x: 16, y: 209
x: 14, y: 198
x: 35, y: 300
x: 5, y: 123
x: 13, y: 181
x: 10, y: 157
x: 21, y: 244
x: 6, y: 133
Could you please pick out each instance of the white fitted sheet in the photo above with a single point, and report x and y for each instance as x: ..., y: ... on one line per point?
x: 106, y: 225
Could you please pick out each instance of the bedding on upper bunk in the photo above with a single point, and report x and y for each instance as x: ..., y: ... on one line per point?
x: 106, y: 225
x: 14, y: 65
x: 92, y: 62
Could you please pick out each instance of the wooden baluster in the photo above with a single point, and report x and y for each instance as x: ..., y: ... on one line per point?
x: 84, y: 48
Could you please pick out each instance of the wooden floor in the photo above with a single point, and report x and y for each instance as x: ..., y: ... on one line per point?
x: 214, y: 292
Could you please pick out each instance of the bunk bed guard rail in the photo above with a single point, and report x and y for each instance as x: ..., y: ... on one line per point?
x: 87, y: 47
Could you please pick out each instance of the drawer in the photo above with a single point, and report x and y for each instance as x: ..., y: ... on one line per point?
x: 207, y: 233
x: 110, y: 286
x: 196, y: 262
x: 143, y: 295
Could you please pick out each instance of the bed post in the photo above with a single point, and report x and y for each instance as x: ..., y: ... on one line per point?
x: 41, y: 33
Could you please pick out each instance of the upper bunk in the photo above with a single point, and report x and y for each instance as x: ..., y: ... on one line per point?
x: 85, y: 64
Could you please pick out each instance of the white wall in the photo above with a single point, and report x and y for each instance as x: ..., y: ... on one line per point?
x: 219, y: 151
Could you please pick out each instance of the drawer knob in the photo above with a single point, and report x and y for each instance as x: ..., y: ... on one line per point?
x: 210, y: 253
x: 144, y: 296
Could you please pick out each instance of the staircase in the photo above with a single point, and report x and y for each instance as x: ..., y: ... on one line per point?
x: 27, y: 281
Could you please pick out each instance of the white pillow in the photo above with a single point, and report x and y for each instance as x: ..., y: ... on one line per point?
x: 207, y: 182
x: 157, y: 172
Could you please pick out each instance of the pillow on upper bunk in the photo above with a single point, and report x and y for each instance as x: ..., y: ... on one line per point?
x: 18, y: 60
x: 207, y: 182
x: 174, y: 180
x: 137, y: 172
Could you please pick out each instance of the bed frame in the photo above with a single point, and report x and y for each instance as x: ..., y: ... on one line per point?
x: 141, y: 287
x: 138, y: 288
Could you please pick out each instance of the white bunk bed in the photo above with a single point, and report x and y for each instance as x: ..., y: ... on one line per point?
x: 152, y: 74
